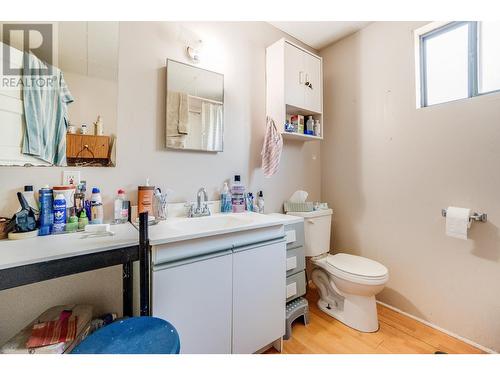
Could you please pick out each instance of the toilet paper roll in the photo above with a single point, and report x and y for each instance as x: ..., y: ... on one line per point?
x: 457, y: 222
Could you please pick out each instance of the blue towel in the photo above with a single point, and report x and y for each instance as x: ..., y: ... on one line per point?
x: 45, y: 111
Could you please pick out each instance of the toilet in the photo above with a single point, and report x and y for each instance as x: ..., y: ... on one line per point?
x: 347, y: 284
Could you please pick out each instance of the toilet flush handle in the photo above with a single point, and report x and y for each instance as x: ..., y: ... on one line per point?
x: 310, y: 221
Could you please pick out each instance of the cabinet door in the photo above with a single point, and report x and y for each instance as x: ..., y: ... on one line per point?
x: 295, y: 75
x: 259, y: 293
x: 313, y: 94
x: 197, y: 299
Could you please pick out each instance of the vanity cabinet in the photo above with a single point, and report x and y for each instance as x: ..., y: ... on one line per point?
x: 294, y: 86
x: 227, y: 299
x: 258, y: 296
x: 195, y: 295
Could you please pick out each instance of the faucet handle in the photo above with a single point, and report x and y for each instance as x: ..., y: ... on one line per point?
x: 191, y: 209
x: 206, y: 209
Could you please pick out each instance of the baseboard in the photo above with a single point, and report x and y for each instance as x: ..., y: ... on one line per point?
x: 470, y: 342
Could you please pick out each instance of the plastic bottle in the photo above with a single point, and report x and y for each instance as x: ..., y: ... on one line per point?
x: 121, y: 208
x: 317, y: 128
x: 96, y: 208
x: 83, y: 220
x: 238, y: 195
x: 59, y: 225
x: 249, y: 202
x: 260, y: 202
x: 225, y: 199
x: 46, y: 217
x: 309, y: 126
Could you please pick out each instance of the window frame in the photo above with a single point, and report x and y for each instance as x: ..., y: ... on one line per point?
x: 472, y: 60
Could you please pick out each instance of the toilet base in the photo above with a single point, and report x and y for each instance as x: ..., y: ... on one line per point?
x: 358, y: 312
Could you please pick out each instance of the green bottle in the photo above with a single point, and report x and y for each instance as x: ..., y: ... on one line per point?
x: 83, y: 220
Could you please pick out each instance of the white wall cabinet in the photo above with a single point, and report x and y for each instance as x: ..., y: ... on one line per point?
x: 228, y: 302
x: 294, y: 85
x: 258, y: 294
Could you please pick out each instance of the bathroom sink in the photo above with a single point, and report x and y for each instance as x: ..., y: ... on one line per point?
x: 182, y: 228
x: 209, y: 223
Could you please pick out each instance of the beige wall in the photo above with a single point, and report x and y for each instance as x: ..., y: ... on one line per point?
x: 235, y: 49
x: 388, y: 169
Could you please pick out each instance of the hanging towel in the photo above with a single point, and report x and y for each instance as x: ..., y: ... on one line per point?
x: 183, y: 114
x: 45, y: 112
x: 271, y: 150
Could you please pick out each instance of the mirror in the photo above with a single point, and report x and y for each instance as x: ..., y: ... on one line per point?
x: 194, y: 108
x: 79, y: 75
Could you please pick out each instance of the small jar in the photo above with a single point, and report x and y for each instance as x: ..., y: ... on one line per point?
x: 71, y: 128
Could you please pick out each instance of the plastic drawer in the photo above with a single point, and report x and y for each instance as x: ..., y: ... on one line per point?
x: 295, y: 286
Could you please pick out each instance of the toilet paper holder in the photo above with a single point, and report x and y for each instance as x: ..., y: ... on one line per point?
x: 475, y: 216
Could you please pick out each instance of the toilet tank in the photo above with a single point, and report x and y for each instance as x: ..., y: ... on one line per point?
x: 317, y: 228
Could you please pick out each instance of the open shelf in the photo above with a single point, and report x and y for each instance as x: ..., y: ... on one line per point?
x: 303, y: 137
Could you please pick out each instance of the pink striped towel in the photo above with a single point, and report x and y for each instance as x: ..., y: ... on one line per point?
x: 271, y: 150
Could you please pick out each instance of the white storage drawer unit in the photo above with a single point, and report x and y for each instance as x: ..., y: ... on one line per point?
x: 295, y: 261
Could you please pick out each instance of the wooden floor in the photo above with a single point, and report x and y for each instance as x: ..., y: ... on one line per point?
x: 397, y: 334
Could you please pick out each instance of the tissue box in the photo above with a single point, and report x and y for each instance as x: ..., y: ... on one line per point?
x: 298, y: 207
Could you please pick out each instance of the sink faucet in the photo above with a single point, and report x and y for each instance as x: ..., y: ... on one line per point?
x: 200, y: 210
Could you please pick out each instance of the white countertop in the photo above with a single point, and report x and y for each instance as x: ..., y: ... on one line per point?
x: 287, y: 219
x: 14, y: 253
x: 176, y: 229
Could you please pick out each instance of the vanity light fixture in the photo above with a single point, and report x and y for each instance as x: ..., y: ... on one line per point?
x: 194, y: 51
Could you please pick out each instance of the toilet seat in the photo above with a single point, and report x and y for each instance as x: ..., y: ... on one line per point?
x: 357, y: 265
x: 354, y: 268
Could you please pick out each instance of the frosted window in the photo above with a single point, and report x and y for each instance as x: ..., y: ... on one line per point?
x: 447, y: 65
x: 489, y: 56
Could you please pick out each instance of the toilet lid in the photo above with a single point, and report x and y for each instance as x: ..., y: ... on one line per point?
x: 357, y: 265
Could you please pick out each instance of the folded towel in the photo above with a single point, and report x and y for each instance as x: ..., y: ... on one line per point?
x: 53, y: 332
x: 271, y: 150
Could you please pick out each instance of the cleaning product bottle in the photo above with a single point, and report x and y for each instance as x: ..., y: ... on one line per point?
x: 225, y: 199
x: 83, y: 220
x: 121, y: 209
x: 260, y: 202
x: 238, y: 195
x: 59, y: 225
x: 96, y: 208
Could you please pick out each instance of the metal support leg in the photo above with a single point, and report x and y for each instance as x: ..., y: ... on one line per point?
x: 144, y: 258
x: 128, y: 289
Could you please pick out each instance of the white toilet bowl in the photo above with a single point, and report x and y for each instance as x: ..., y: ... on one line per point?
x: 347, y: 287
x: 347, y: 284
